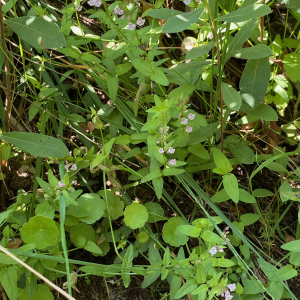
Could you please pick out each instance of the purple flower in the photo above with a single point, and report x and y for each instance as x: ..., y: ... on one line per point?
x: 161, y: 150
x: 213, y: 250
x: 118, y: 11
x: 98, y: 3
x: 171, y: 150
x: 191, y: 116
x: 91, y: 2
x: 173, y: 162
x: 222, y: 295
x: 78, y: 8
x: 67, y: 167
x: 220, y: 249
x: 184, y: 121
x: 231, y: 287
x: 130, y: 26
x: 187, y: 2
x: 228, y: 296
x: 188, y: 129
x: 61, y: 184
x: 74, y: 167
x: 140, y: 21
x: 210, y: 35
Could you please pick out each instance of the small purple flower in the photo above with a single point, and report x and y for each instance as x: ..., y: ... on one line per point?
x: 187, y: 2
x: 220, y: 249
x: 140, y: 21
x: 118, y: 11
x: 231, y: 287
x: 213, y: 250
x: 228, y: 296
x: 222, y: 295
x: 191, y: 116
x: 188, y: 129
x: 161, y: 150
x: 74, y: 167
x: 173, y: 162
x: 184, y: 121
x: 210, y: 35
x: 98, y: 3
x: 130, y: 26
x: 91, y: 2
x: 171, y: 150
x: 67, y: 167
x: 61, y: 184
x: 78, y: 8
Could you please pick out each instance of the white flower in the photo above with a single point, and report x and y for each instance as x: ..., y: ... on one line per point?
x: 61, y: 184
x: 213, y: 251
x: 188, y: 129
x: 191, y: 116
x: 78, y: 8
x: 210, y: 35
x: 167, y: 128
x: 118, y: 11
x: 171, y: 150
x: 98, y: 3
x: 187, y: 2
x: 140, y: 21
x: 91, y: 2
x: 74, y: 167
x: 161, y: 150
x: 184, y: 121
x: 231, y: 287
x: 173, y: 162
x: 130, y: 26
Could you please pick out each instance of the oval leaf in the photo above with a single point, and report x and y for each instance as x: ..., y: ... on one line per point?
x: 231, y: 97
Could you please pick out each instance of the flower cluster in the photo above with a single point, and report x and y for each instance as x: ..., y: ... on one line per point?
x: 214, y: 250
x: 227, y: 294
x: 184, y: 121
x: 96, y: 3
x: 139, y: 22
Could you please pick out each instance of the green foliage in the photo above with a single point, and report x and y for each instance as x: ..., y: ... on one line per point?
x: 136, y: 215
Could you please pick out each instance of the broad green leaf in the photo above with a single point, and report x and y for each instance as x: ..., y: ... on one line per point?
x: 172, y: 171
x: 151, y: 276
x: 105, y: 152
x: 158, y: 185
x: 181, y: 22
x: 37, y: 32
x: 293, y: 4
x: 143, y: 237
x: 123, y: 68
x: 262, y: 193
x: 9, y: 280
x: 136, y: 215
x: 36, y: 144
x: 254, y: 82
x: 154, y: 255
x: 242, y: 152
x: 199, y: 51
x: 231, y: 97
x: 231, y: 187
x: 42, y: 292
x: 187, y: 288
x: 127, y: 262
x: 246, y: 13
x: 143, y: 66
x: 90, y: 57
x: 81, y: 233
x: 163, y: 13
x: 90, y: 203
x: 287, y: 272
x: 92, y: 247
x: 222, y: 162
x: 159, y: 77
x: 274, y: 166
x: 116, y: 207
x: 152, y: 175
x: 45, y: 209
x: 112, y: 84
x: 155, y: 211
x: 248, y: 219
x: 199, y: 150
x: 276, y: 289
x: 202, y: 289
x: 187, y: 67
x: 189, y: 230
x: 262, y: 111
x: 256, y: 52
x: 242, y: 36
x: 41, y: 231
x: 293, y: 246
x: 175, y: 286
x: 211, y: 237
x: 5, y: 151
x: 220, y: 196
x: 203, y: 134
x: 171, y: 235
x: 246, y: 196
x: 291, y: 63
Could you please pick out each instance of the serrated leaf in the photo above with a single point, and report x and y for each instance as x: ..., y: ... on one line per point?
x: 181, y: 22
x: 36, y: 144
x: 136, y: 215
x: 37, y: 32
x: 246, y: 13
x: 41, y: 231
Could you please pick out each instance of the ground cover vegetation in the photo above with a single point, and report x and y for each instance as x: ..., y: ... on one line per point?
x: 150, y: 149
